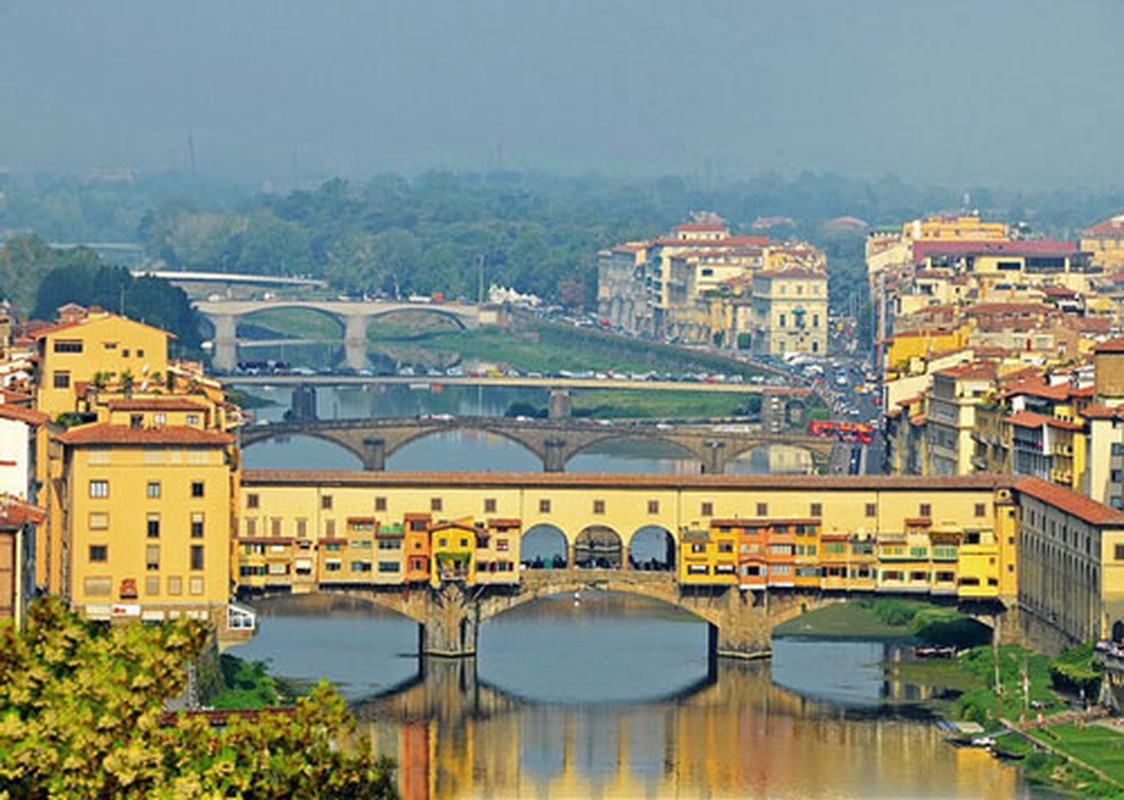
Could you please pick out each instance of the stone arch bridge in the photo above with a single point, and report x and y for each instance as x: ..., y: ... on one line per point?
x: 740, y: 622
x: 553, y: 441
x: 356, y: 318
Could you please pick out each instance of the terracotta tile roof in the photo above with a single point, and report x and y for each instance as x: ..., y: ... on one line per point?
x: 1103, y: 411
x: 1113, y: 226
x: 1070, y: 502
x: 1111, y: 346
x: 564, y: 480
x: 105, y: 433
x: 1028, y: 419
x: 92, y: 320
x: 156, y: 404
x: 29, y: 415
x: 969, y: 372
x: 504, y: 522
x: 1037, y: 387
x: 1040, y: 247
x: 15, y: 513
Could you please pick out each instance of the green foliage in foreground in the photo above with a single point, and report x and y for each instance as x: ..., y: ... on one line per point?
x: 81, y: 715
x: 935, y: 624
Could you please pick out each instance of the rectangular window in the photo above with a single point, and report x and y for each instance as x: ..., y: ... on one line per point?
x: 99, y: 553
x: 98, y: 587
x: 435, y: 504
x: 1119, y: 552
x: 653, y: 506
x: 152, y: 526
x: 197, y: 488
x: 152, y: 557
x: 192, y: 419
x: 544, y: 506
x: 871, y: 510
x: 380, y: 504
x: 68, y: 346
x: 153, y: 490
x: 816, y: 509
x: 925, y: 510
x: 981, y: 509
x: 326, y: 502
x: 489, y: 505
x: 99, y: 521
x: 329, y: 528
x: 99, y: 488
x: 197, y: 524
x: 175, y: 585
x: 302, y: 527
x: 61, y: 380
x: 598, y: 506
x: 152, y: 585
x: 253, y: 500
x: 197, y: 556
x: 502, y: 545
x: 388, y: 566
x: 762, y: 509
x: 251, y: 527
x: 195, y: 585
x: 360, y: 566
x: 707, y: 509
x: 274, y: 526
x: 99, y: 455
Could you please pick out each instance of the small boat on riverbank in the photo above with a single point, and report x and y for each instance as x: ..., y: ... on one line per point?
x: 934, y: 651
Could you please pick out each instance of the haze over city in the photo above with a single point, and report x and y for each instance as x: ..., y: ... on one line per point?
x: 958, y: 93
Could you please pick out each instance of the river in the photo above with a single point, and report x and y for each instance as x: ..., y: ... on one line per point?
x: 615, y: 696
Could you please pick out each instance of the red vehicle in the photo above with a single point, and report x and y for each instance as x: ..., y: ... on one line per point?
x: 843, y: 430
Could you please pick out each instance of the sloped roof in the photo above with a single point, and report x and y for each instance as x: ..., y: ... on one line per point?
x: 106, y: 433
x: 1078, y: 505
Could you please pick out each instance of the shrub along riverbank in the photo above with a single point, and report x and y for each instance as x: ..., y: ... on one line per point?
x: 1084, y: 759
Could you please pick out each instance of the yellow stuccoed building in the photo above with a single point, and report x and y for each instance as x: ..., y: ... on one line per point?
x: 146, y: 520
x: 94, y: 347
x: 919, y: 525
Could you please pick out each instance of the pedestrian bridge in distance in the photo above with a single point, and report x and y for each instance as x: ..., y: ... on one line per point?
x: 555, y: 442
x: 355, y: 317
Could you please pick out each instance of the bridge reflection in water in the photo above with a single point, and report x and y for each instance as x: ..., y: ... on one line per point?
x: 532, y: 717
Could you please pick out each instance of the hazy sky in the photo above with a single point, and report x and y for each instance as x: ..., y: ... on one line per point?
x: 953, y: 91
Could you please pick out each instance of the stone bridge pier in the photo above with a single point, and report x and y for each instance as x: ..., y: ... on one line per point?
x: 225, y: 355
x: 355, y: 340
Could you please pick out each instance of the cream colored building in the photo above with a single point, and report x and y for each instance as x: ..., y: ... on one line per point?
x: 953, y: 399
x: 790, y: 312
x: 1071, y: 561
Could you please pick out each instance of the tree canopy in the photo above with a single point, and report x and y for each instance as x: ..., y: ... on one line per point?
x: 82, y: 714
x: 146, y: 299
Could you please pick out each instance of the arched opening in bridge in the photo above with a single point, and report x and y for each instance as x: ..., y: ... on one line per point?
x: 290, y: 322
x: 772, y: 459
x: 298, y: 452
x: 353, y: 640
x: 405, y: 324
x: 543, y: 546
x: 598, y: 547
x: 463, y: 451
x: 634, y: 454
x: 652, y: 548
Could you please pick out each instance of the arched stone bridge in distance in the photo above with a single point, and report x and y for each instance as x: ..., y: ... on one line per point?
x: 553, y: 441
x: 356, y: 318
x: 740, y: 623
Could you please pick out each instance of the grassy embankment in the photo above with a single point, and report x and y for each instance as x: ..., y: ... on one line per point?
x: 534, y: 346
x: 1087, y: 760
